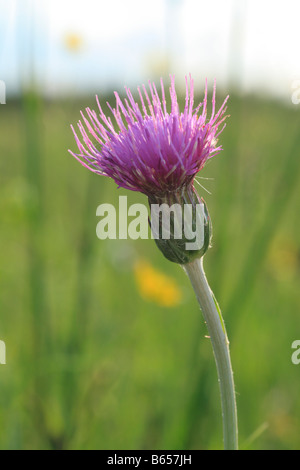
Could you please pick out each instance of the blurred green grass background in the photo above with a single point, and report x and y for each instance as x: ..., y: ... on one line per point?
x: 93, y: 364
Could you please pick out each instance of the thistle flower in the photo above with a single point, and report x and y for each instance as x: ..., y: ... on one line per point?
x: 152, y: 151
x: 155, y: 152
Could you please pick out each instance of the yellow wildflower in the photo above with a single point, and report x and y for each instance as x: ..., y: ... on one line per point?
x: 73, y: 42
x: 156, y: 286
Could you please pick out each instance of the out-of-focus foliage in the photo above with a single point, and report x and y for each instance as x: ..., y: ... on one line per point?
x: 96, y: 357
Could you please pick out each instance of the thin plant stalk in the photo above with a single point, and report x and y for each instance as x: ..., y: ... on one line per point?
x: 217, y: 332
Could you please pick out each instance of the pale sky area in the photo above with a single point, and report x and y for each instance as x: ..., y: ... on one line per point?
x: 71, y: 46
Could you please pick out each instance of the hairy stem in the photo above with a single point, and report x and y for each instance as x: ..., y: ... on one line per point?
x: 220, y: 343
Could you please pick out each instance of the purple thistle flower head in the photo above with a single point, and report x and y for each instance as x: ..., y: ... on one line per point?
x: 148, y: 148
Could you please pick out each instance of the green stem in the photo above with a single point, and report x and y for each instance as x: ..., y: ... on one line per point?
x: 216, y: 328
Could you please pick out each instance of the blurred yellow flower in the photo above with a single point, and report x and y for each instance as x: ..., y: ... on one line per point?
x: 73, y: 42
x: 156, y: 286
x: 283, y: 258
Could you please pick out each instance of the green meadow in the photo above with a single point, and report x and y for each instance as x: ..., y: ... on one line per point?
x: 91, y: 363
